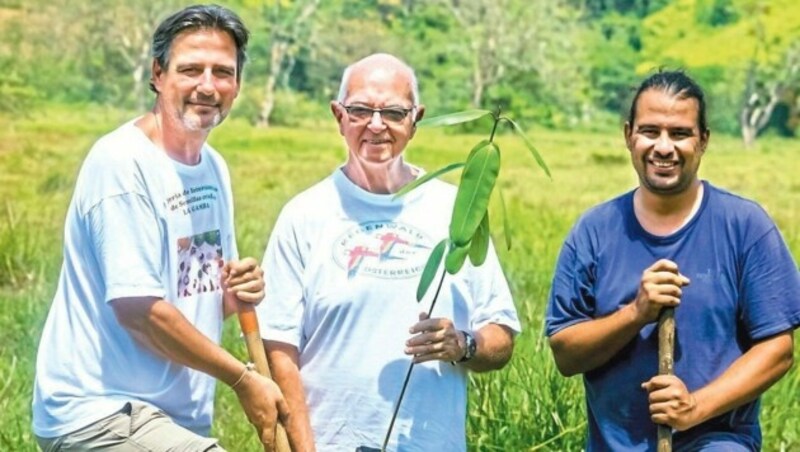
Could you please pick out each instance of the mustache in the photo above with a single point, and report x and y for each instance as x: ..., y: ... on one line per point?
x: 200, y: 99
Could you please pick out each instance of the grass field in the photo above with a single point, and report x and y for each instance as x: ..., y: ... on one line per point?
x: 527, y: 406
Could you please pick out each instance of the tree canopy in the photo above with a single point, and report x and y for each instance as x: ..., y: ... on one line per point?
x: 554, y: 63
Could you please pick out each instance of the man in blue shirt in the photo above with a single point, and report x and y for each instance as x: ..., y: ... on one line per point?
x: 675, y: 241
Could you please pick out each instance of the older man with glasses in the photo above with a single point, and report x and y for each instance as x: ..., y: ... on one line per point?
x: 340, y: 320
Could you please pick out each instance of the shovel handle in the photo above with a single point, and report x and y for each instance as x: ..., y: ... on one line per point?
x: 255, y: 348
x: 666, y: 363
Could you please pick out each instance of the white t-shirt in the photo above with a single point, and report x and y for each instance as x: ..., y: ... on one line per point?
x: 342, y: 268
x: 139, y: 225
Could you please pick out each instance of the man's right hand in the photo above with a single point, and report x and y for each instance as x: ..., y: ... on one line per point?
x: 264, y: 405
x: 659, y: 287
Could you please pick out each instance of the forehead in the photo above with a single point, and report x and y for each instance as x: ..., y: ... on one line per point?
x: 658, y: 106
x: 203, y: 44
x: 379, y: 86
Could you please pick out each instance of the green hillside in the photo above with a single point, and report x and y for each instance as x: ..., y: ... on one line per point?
x: 678, y: 34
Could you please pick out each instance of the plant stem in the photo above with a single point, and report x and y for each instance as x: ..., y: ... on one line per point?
x: 410, y: 368
x: 497, y: 118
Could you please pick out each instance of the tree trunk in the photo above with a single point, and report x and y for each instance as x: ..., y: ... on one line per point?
x: 295, y: 30
x: 477, y: 78
x: 138, y: 87
x: 277, y: 55
x: 140, y: 79
x: 756, y: 114
x: 748, y: 136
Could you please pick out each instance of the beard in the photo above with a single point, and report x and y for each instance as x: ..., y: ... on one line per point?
x: 660, y: 181
x: 195, y: 121
x: 667, y: 186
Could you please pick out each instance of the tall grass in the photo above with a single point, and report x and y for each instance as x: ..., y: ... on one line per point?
x: 526, y: 406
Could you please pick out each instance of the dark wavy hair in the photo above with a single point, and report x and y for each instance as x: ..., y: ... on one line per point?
x: 675, y: 83
x: 200, y: 17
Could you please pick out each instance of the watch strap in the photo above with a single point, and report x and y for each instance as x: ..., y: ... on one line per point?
x: 470, y: 347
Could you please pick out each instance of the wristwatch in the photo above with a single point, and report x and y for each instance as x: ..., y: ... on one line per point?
x: 471, y: 347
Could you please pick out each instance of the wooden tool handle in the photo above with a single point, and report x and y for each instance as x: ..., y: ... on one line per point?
x: 666, y: 363
x: 255, y: 348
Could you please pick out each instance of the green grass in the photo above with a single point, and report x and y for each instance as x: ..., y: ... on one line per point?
x: 526, y: 406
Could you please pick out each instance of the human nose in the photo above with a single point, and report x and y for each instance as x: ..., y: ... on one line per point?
x: 376, y: 121
x: 664, y: 144
x: 205, y: 84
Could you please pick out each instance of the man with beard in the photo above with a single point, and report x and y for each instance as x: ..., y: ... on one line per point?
x: 675, y: 241
x: 129, y: 356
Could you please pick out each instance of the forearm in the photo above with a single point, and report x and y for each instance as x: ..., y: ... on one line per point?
x: 160, y: 327
x: 746, y: 379
x: 495, y: 344
x: 284, y: 360
x: 587, y: 345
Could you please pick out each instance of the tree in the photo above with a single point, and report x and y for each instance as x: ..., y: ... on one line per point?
x: 768, y: 83
x: 598, y: 8
x: 95, y: 45
x: 506, y: 39
x: 766, y: 88
x: 15, y: 94
x: 289, y: 24
x: 133, y: 42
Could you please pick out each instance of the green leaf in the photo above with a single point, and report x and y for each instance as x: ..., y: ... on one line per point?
x: 426, y: 177
x: 530, y: 146
x: 479, y: 246
x: 453, y: 118
x: 506, y: 223
x: 472, y: 197
x: 476, y: 148
x: 434, y: 260
x: 455, y: 258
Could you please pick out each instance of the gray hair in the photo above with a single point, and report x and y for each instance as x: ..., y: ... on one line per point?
x: 200, y: 17
x: 384, y: 56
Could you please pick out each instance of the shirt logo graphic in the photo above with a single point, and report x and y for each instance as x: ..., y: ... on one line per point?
x: 382, y: 249
x: 199, y: 263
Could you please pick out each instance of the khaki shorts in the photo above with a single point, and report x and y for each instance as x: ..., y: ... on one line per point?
x: 137, y: 427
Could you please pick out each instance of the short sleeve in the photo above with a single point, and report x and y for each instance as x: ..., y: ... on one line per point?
x: 770, y: 287
x: 281, y: 312
x: 127, y: 236
x: 572, y: 294
x: 493, y: 301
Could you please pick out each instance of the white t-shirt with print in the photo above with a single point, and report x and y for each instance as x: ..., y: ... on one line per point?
x: 342, y: 268
x: 139, y: 225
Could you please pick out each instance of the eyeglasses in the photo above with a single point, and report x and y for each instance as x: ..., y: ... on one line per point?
x: 388, y: 115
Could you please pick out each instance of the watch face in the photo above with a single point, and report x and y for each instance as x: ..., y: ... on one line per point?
x: 471, y: 345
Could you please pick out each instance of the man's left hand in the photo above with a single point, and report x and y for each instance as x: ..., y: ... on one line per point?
x: 436, y: 339
x: 670, y: 402
x: 244, y: 279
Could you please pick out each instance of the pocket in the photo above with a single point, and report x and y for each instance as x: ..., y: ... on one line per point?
x: 141, y: 413
x: 107, y: 432
x: 118, y: 425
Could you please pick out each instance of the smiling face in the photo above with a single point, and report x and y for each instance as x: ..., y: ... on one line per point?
x: 665, y: 142
x: 373, y: 140
x: 200, y: 83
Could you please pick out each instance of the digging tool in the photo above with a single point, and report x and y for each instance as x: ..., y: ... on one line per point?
x: 666, y: 362
x: 255, y: 348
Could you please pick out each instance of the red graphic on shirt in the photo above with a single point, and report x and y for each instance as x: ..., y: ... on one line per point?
x: 357, y: 256
x: 382, y: 249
